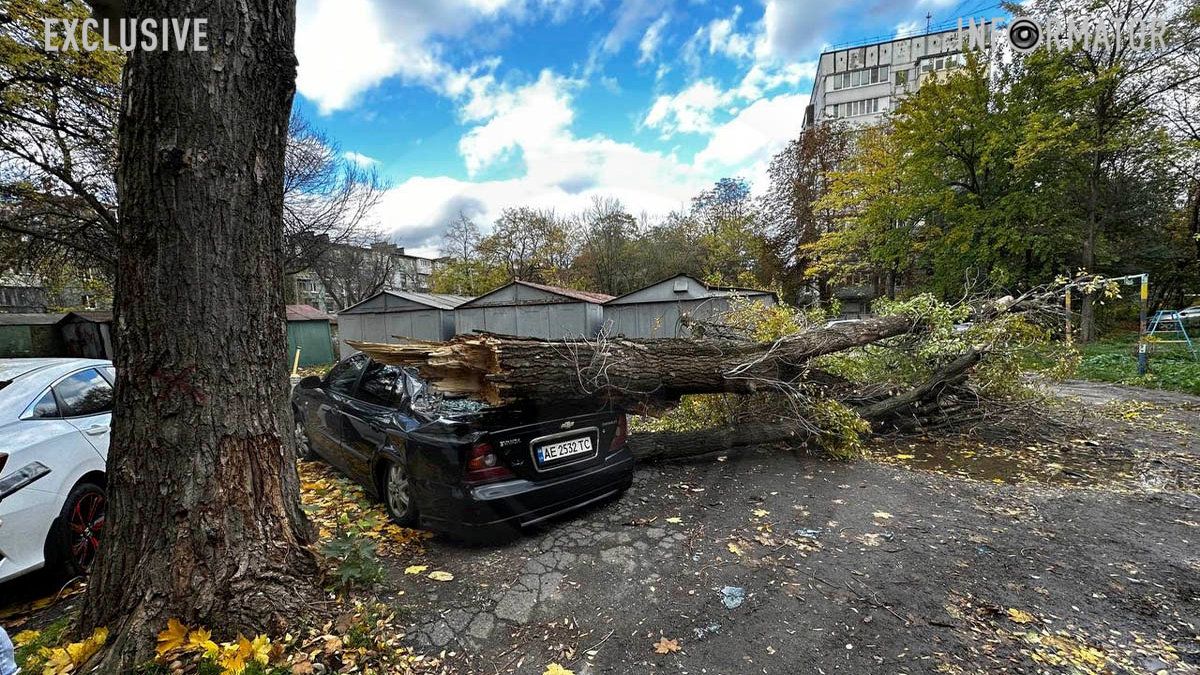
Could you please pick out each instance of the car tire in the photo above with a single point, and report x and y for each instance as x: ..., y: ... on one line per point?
x: 395, y: 488
x: 79, y: 530
x: 303, y: 444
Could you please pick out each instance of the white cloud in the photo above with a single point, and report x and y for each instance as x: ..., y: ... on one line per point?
x: 346, y: 47
x: 359, y: 159
x: 756, y: 133
x: 763, y: 78
x: 561, y: 170
x: 651, y: 40
x: 908, y: 28
x: 631, y: 16
x: 689, y: 111
x: 343, y: 49
x: 790, y: 28
x: 534, y: 116
x: 723, y: 37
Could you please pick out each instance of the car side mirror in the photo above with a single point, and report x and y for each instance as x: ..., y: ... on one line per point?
x: 309, y: 382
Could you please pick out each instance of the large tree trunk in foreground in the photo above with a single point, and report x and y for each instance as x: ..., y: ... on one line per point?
x: 204, y: 518
x: 625, y: 372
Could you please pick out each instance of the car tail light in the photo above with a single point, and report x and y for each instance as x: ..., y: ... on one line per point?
x: 3, y: 461
x: 621, y: 434
x: 483, y: 465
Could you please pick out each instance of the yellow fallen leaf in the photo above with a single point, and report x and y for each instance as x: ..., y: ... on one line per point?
x: 441, y: 576
x: 674, y: 520
x: 57, y: 661
x: 666, y: 646
x: 904, y: 456
x: 25, y: 637
x: 882, y: 515
x: 415, y: 569
x: 735, y: 549
x: 555, y: 669
x: 261, y: 648
x: 759, y: 513
x: 1019, y: 616
x: 201, y: 640
x: 172, y: 638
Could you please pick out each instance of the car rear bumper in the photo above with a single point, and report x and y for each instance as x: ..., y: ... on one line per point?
x: 518, y: 503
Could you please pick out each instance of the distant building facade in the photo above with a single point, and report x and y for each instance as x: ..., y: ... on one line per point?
x: 405, y: 272
x: 27, y: 291
x: 859, y: 85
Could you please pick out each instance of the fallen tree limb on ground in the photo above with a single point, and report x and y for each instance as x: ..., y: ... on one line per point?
x: 624, y: 372
x: 896, y: 410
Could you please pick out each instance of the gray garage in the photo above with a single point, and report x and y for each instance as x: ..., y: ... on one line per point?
x: 653, y: 311
x: 533, y: 310
x: 390, y: 314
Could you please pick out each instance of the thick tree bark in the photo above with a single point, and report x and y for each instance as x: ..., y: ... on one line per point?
x: 624, y: 372
x: 204, y: 519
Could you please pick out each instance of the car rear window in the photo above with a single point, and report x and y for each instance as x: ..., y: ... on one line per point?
x: 46, y: 406
x: 84, y: 393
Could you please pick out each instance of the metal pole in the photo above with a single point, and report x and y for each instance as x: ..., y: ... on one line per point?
x: 1143, y: 356
x: 1068, y: 330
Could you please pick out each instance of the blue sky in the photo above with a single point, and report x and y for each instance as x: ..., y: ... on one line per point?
x: 475, y: 105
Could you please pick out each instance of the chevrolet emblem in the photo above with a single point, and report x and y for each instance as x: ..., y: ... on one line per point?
x: 567, y: 425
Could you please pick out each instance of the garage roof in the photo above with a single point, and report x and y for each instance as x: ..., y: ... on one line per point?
x: 411, y: 301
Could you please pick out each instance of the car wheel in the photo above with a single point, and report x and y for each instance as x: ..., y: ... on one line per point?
x: 397, y: 493
x: 303, y: 445
x: 80, y: 529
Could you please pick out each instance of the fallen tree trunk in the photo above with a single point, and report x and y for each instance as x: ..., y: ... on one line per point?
x: 619, y: 371
x: 893, y: 410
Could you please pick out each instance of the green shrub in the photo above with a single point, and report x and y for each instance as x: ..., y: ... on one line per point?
x: 354, y: 555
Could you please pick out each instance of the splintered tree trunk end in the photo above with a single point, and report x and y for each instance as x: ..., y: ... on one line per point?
x: 204, y: 522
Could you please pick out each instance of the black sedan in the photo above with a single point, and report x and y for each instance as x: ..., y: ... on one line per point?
x: 454, y: 465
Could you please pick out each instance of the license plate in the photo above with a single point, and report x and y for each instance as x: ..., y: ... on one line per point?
x: 563, y: 449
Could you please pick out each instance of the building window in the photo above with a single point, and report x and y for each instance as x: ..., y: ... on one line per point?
x: 867, y: 106
x: 857, y: 78
x: 901, y: 78
x: 942, y: 63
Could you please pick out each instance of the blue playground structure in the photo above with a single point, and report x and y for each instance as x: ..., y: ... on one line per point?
x: 1172, y: 325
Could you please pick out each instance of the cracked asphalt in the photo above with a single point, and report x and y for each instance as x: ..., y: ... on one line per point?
x: 856, y: 567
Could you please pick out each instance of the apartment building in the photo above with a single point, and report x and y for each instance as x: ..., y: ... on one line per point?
x: 860, y: 84
x: 403, y: 272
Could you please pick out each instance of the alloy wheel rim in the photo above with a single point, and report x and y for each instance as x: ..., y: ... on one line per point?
x: 397, y: 489
x: 87, y: 522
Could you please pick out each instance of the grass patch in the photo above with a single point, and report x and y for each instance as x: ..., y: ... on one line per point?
x: 1114, y: 359
x: 29, y: 643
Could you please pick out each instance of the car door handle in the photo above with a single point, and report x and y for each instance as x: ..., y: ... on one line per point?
x: 96, y: 430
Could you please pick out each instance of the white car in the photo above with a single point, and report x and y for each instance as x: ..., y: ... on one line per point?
x: 54, y: 429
